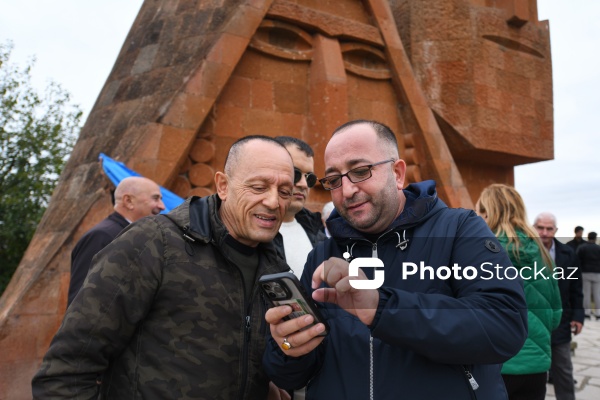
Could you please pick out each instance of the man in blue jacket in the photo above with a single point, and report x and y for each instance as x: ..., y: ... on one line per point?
x: 447, y: 314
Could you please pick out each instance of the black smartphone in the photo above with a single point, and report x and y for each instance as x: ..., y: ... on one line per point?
x: 284, y: 289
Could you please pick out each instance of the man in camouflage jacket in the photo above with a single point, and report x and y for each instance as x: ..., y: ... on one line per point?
x: 171, y: 308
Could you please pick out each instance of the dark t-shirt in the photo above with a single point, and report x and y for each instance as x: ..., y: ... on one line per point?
x: 246, y: 259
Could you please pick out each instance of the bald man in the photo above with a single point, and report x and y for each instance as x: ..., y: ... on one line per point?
x: 171, y: 309
x: 135, y: 198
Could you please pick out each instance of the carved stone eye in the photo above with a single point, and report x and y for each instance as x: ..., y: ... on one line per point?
x: 365, y: 60
x: 513, y: 45
x: 282, y: 40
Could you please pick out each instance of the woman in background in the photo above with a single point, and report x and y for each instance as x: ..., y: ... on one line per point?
x: 503, y: 209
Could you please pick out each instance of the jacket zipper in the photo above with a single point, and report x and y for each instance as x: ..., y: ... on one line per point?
x: 246, y: 341
x: 247, y: 334
x: 371, y: 361
x: 472, y: 382
x: 373, y: 244
x: 371, y: 367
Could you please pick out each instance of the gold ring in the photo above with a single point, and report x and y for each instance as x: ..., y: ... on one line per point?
x: 286, y: 345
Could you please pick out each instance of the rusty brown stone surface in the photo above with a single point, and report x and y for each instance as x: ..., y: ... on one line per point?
x: 465, y: 84
x: 487, y: 80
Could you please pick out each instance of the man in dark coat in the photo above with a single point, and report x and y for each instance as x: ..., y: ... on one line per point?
x: 404, y: 334
x: 578, y: 239
x: 135, y: 198
x: 571, y: 293
x: 171, y: 308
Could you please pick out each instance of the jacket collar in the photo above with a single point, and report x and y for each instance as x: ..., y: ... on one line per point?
x: 198, y: 218
x: 421, y: 203
x: 193, y: 217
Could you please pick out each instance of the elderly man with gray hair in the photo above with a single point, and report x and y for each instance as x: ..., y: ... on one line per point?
x: 570, y: 286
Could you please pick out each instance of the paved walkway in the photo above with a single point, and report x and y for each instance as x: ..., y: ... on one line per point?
x: 586, y: 363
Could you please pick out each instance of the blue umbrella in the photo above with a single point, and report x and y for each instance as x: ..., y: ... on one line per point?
x: 117, y: 171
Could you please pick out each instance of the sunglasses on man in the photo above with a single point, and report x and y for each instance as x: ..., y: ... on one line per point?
x: 311, y: 179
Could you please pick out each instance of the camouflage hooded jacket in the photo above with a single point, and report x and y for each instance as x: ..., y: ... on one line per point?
x: 162, y: 315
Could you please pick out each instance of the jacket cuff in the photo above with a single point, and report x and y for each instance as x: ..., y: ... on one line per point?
x: 384, y: 296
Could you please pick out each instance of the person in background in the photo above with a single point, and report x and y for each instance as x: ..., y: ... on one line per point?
x: 589, y: 259
x: 412, y: 338
x: 502, y: 207
x: 577, y: 240
x: 134, y: 198
x: 301, y: 228
x: 571, y: 294
x: 327, y: 209
x: 171, y: 308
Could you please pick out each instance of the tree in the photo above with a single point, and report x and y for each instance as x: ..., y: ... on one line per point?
x: 37, y: 134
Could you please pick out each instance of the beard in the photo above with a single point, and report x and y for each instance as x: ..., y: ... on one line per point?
x: 381, y: 209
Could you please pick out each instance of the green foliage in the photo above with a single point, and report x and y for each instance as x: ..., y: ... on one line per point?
x: 37, y: 134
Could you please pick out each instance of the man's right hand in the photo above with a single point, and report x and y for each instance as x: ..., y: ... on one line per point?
x: 576, y: 327
x: 303, y: 342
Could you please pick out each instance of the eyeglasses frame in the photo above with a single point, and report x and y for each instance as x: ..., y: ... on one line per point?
x: 370, y: 166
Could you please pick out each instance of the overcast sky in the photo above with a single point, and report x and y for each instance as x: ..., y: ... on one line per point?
x: 76, y: 43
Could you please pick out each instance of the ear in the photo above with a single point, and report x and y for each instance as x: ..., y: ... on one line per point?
x: 400, y: 171
x: 128, y: 202
x: 221, y: 183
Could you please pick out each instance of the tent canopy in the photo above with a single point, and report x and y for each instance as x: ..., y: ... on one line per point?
x: 117, y: 171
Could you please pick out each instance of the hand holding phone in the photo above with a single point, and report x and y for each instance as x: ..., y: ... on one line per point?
x: 285, y: 289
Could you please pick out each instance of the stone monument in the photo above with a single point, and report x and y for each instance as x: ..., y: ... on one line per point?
x: 465, y: 84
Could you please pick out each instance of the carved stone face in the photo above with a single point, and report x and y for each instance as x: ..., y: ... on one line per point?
x: 487, y: 75
x: 311, y: 66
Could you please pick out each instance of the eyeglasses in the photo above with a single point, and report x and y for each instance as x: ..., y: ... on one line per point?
x: 311, y: 179
x: 355, y: 175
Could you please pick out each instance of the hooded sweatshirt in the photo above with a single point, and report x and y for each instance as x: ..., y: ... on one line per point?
x: 433, y: 337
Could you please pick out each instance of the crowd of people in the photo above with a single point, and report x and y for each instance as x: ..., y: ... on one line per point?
x: 472, y: 303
